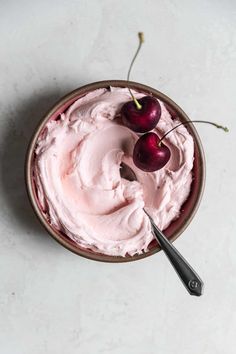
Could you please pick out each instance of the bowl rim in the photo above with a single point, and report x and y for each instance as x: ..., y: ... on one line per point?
x: 75, y: 94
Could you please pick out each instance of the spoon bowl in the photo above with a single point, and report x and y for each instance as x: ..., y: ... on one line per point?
x: 188, y: 209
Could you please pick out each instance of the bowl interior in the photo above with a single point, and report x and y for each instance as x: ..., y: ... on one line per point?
x: 188, y: 208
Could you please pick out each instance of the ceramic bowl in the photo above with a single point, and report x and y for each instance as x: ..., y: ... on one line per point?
x: 188, y: 209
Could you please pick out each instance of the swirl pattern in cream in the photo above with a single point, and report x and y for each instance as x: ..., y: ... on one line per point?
x: 78, y: 182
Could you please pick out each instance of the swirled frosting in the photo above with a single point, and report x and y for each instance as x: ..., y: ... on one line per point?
x: 78, y: 181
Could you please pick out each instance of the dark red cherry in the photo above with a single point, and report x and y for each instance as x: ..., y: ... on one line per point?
x: 143, y: 119
x: 148, y: 155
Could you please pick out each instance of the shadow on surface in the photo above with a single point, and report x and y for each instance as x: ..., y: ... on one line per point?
x: 21, y: 123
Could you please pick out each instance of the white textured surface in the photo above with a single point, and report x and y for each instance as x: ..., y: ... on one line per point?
x: 52, y: 301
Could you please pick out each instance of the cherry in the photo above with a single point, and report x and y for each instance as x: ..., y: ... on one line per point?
x: 149, y: 154
x: 142, y: 119
x: 140, y: 115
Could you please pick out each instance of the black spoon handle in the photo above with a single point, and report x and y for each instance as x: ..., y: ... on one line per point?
x: 189, y: 277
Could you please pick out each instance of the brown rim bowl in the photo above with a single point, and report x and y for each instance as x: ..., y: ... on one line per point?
x: 188, y: 209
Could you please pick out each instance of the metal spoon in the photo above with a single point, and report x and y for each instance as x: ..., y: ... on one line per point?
x: 189, y: 277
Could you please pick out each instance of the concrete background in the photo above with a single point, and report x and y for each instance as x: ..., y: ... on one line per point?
x: 52, y: 301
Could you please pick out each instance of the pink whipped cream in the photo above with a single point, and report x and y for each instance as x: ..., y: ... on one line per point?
x: 77, y: 176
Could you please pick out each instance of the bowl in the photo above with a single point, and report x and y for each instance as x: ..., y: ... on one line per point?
x: 189, y: 208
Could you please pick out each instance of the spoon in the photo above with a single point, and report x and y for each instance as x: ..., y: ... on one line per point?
x: 189, y: 277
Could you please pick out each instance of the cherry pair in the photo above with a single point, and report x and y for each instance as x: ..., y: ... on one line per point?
x: 142, y: 116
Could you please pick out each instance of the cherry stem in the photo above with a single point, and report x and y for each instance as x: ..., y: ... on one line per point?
x: 141, y: 40
x: 190, y: 122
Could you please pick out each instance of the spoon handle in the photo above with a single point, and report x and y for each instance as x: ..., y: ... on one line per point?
x: 189, y: 277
